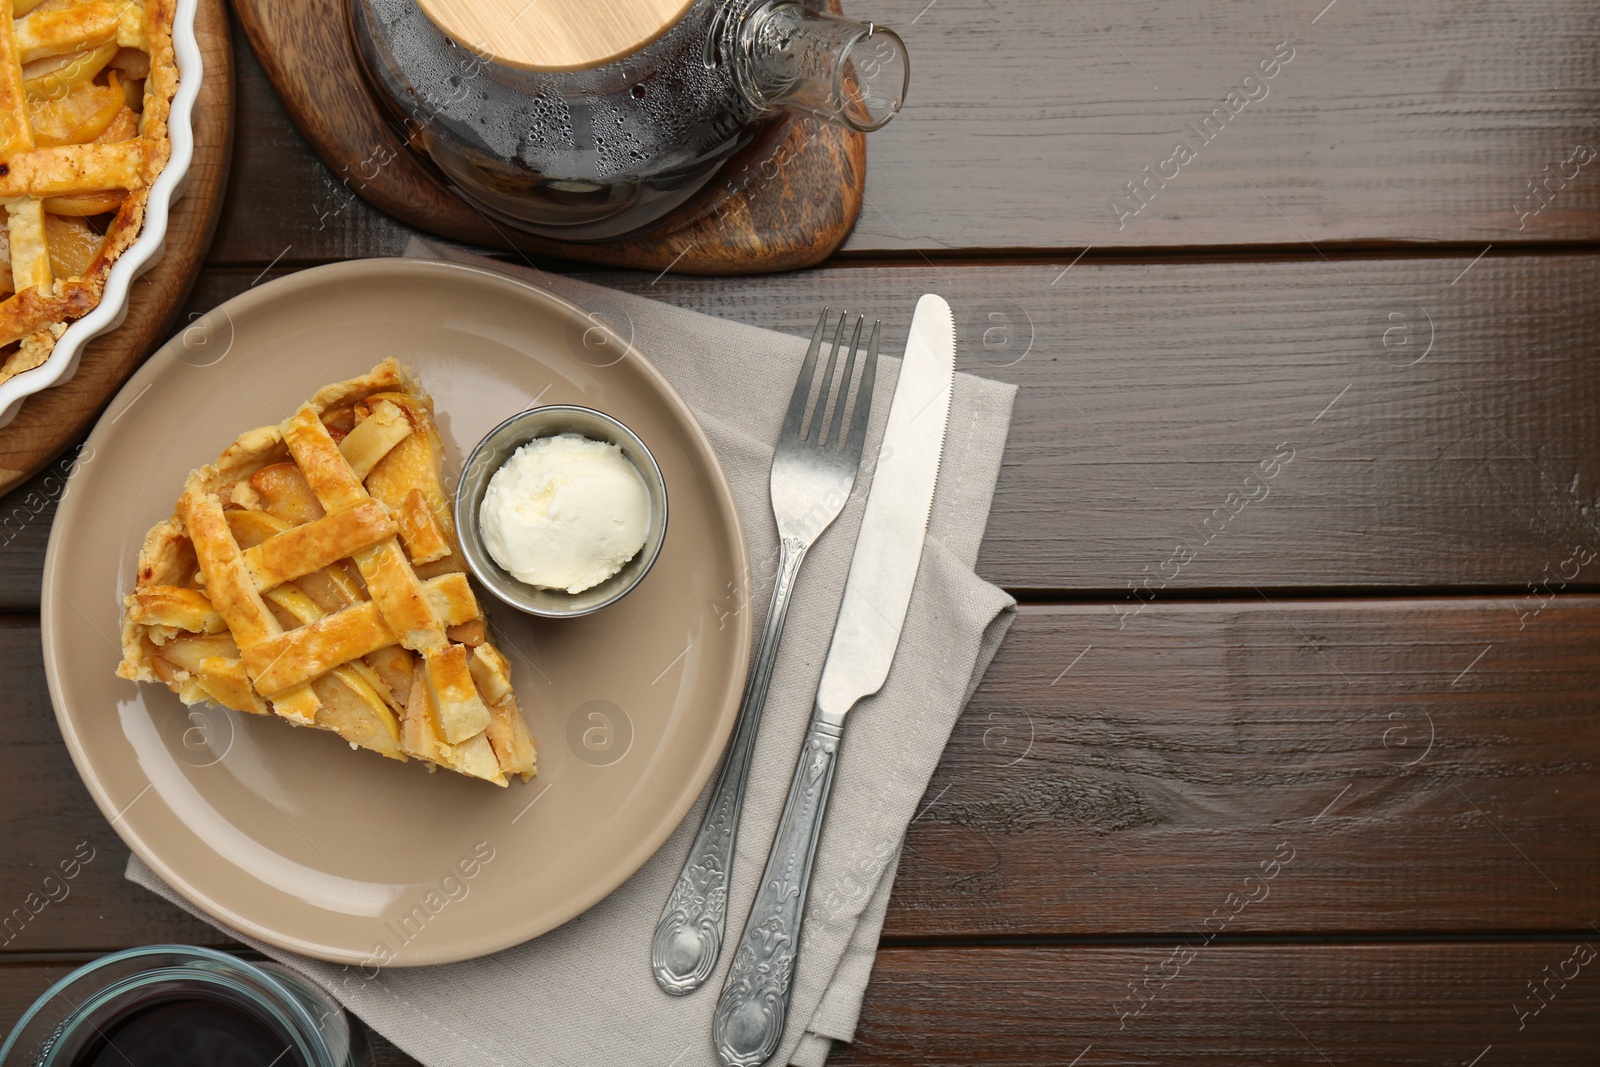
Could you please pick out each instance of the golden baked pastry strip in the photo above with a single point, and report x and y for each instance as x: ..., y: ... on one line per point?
x: 16, y: 134
x: 282, y: 661
x: 300, y: 550
x: 233, y: 592
x: 391, y: 582
x: 67, y: 170
x: 85, y: 91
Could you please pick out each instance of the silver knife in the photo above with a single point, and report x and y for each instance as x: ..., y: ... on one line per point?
x: 750, y: 1014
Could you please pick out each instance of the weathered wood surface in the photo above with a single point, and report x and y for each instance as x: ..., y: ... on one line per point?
x: 1418, y: 124
x: 1421, y: 1005
x: 1440, y: 414
x: 1402, y: 765
x: 1427, y: 764
x: 283, y: 206
x: 51, y: 420
x: 1421, y: 569
x: 1408, y: 1005
x: 1462, y: 452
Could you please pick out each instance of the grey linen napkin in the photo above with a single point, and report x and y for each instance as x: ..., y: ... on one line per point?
x: 583, y: 993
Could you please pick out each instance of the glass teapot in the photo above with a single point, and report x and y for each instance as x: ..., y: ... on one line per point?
x: 587, y: 120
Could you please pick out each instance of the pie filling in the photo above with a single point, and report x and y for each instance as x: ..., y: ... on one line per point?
x: 85, y: 90
x: 313, y: 573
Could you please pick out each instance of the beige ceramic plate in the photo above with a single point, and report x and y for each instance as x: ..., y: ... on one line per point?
x: 285, y: 833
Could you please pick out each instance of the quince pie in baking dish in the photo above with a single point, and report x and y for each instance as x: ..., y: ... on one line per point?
x: 313, y: 573
x: 85, y: 90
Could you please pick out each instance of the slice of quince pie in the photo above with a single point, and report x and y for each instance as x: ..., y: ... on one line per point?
x: 313, y: 573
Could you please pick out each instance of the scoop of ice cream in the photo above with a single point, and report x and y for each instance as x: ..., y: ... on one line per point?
x: 565, y: 513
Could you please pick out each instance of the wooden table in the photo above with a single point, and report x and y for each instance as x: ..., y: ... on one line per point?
x: 1291, y: 756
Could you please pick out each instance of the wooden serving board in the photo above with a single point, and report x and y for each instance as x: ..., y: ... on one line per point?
x: 786, y: 201
x: 52, y: 419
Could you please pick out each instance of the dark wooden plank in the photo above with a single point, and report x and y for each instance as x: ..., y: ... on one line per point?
x: 1174, y: 760
x: 1392, y: 765
x: 47, y: 820
x: 1028, y: 118
x: 1151, y: 392
x: 25, y: 516
x: 1025, y: 120
x: 1227, y: 1004
x: 281, y: 201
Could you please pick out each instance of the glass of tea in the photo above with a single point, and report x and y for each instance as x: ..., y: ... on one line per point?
x: 179, y: 1006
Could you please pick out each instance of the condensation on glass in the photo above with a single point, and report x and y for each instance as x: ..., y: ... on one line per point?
x: 598, y: 153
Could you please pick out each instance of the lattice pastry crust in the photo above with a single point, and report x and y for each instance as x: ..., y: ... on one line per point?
x: 313, y: 572
x: 85, y: 91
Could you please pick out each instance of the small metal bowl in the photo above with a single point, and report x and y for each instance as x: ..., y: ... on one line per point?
x: 495, y: 449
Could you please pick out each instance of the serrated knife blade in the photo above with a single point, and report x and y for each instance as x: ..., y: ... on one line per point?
x: 748, y: 1023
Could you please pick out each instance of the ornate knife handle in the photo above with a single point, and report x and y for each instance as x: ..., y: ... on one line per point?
x: 748, y: 1022
x: 688, y: 940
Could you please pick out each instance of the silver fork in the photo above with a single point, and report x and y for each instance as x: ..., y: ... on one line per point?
x: 813, y: 472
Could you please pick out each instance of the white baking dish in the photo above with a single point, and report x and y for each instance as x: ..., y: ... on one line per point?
x: 146, y: 251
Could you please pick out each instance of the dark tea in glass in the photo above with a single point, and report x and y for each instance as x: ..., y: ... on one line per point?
x: 186, y: 1030
x: 180, y: 1006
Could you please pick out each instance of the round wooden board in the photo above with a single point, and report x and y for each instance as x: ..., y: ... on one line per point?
x: 52, y: 419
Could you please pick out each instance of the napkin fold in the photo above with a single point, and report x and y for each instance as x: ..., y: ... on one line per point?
x: 583, y: 993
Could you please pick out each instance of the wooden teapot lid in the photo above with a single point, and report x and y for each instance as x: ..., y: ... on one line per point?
x: 554, y: 35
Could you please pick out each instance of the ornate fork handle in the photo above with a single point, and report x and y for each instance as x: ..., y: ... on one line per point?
x: 750, y: 1014
x: 688, y: 939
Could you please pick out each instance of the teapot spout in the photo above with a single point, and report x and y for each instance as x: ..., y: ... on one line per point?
x: 836, y: 69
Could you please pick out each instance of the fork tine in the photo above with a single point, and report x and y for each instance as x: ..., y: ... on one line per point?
x: 869, y: 373
x: 802, y: 385
x: 817, y: 426
x: 835, y: 439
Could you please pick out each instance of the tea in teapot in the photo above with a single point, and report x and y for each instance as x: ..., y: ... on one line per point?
x: 587, y: 120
